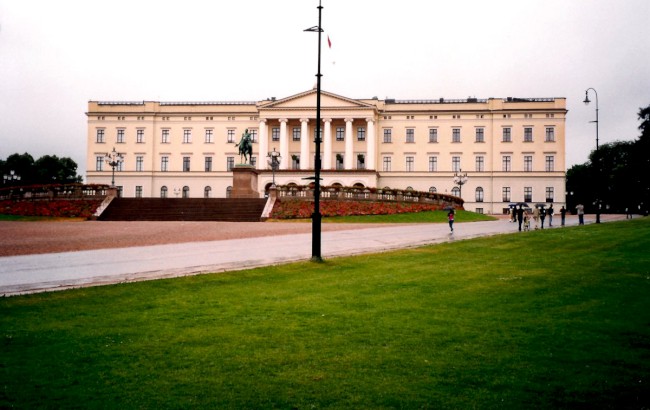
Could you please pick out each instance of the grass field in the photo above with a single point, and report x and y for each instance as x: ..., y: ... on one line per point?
x: 549, y: 319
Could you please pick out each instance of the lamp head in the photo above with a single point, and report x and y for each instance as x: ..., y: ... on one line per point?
x: 587, y: 101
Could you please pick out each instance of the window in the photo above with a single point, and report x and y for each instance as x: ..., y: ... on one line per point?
x: 320, y: 134
x: 433, y: 190
x: 507, y: 135
x: 186, y: 191
x: 207, y: 192
x: 550, y: 163
x: 163, y: 191
x: 295, y: 162
x: 230, y: 163
x: 528, y: 163
x: 253, y: 135
x: 479, y: 210
x: 455, y: 135
x: 208, y: 164
x: 229, y: 192
x: 120, y: 166
x: 455, y: 164
x: 479, y: 194
x: 164, y: 163
x: 339, y: 161
x: 186, y: 164
x: 100, y: 136
x: 506, y: 163
x: 209, y: 136
x: 120, y: 136
x: 275, y: 134
x: 138, y: 191
x: 480, y: 163
x: 528, y: 134
x: 361, y: 161
x: 505, y: 194
x: 433, y: 135
x: 550, y: 134
x: 99, y: 163
x: 455, y: 191
x: 433, y: 164
x: 253, y: 162
x: 410, y: 135
x: 410, y: 164
x: 164, y: 138
x: 386, y: 164
x: 139, y: 163
x: 230, y: 136
x: 296, y: 133
x: 528, y: 194
x: 361, y: 134
x: 139, y: 136
x: 388, y: 135
x: 340, y: 133
x: 550, y: 194
x: 480, y: 135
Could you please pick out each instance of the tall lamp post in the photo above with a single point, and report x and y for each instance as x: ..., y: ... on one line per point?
x: 460, y: 179
x: 274, y: 162
x: 587, y: 101
x: 10, y: 177
x: 114, y: 159
x: 316, y: 216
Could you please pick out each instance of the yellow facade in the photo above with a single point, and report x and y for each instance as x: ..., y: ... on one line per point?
x: 512, y: 149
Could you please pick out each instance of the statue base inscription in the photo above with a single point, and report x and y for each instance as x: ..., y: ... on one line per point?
x: 244, y: 184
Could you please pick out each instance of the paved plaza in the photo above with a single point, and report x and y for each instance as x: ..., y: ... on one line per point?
x: 64, y: 270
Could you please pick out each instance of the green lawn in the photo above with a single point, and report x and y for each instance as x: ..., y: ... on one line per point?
x: 549, y: 319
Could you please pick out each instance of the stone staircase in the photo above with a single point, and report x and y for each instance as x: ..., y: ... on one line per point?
x: 184, y: 209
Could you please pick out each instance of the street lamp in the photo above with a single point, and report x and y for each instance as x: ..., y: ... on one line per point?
x: 274, y: 162
x: 587, y: 101
x: 316, y: 216
x: 9, y: 178
x: 114, y: 159
x: 460, y: 179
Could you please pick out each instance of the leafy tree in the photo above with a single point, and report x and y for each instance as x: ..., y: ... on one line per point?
x: 47, y: 169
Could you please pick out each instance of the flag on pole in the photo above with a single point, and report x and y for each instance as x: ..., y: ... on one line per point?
x: 329, y: 42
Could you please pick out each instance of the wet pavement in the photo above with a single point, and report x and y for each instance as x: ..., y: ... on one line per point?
x: 56, y: 271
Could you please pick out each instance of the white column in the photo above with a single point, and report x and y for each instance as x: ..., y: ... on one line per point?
x: 349, y: 141
x: 327, y: 144
x: 284, y: 145
x: 371, y: 151
x: 304, y: 143
x: 263, y: 135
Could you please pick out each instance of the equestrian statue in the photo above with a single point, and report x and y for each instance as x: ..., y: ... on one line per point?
x: 245, y: 148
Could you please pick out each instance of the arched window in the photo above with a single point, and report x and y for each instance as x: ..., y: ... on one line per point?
x: 229, y: 192
x: 163, y: 191
x: 455, y: 191
x: 479, y: 194
x: 433, y: 190
x: 207, y: 192
x: 186, y: 191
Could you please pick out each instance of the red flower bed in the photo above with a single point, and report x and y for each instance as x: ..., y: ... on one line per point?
x: 80, y: 208
x: 292, y: 208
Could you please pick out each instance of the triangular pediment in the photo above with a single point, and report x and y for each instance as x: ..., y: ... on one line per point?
x: 307, y: 100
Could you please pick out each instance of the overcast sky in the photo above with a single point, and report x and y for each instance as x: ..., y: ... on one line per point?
x: 55, y: 56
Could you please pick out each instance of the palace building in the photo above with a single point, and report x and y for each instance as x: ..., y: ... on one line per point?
x: 512, y: 149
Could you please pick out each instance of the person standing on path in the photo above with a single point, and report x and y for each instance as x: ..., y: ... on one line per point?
x: 450, y: 216
x: 536, y: 217
x: 563, y: 214
x: 581, y: 214
x: 520, y: 215
x: 550, y: 211
x: 542, y: 215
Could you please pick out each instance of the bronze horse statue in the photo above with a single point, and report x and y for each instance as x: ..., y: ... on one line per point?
x: 245, y: 147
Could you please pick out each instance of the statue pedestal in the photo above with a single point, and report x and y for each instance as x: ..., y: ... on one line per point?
x: 244, y: 182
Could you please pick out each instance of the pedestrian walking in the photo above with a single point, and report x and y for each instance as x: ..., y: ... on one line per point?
x: 450, y: 216
x: 563, y: 214
x: 580, y: 209
x: 542, y: 215
x: 550, y: 212
x: 520, y: 215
